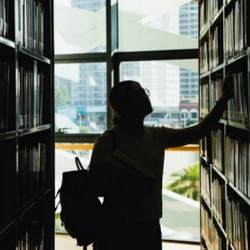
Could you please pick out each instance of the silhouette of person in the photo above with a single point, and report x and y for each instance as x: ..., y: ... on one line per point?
x: 133, y: 223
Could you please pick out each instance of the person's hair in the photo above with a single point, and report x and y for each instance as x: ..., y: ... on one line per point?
x: 119, y: 99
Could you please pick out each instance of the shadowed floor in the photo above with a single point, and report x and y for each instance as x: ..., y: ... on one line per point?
x: 64, y: 242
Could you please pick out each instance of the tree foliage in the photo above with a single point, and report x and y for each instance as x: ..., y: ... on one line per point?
x: 186, y: 182
x: 84, y: 129
x: 62, y: 95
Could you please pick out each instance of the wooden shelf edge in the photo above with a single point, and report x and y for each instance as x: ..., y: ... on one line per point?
x: 205, y: 241
x: 206, y: 201
x: 7, y: 42
x: 34, y: 55
x: 219, y: 173
x: 237, y: 57
x: 239, y: 193
x: 218, y: 223
x: 7, y: 229
x: 34, y: 130
x: 217, y: 68
x: 36, y: 200
x: 216, y: 16
x: 7, y: 136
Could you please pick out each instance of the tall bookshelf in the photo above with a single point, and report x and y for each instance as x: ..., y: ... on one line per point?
x: 26, y: 125
x: 224, y: 41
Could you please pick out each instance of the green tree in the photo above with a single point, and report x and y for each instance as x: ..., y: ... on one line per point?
x: 186, y: 182
x: 62, y: 95
x: 190, y: 122
x: 84, y: 129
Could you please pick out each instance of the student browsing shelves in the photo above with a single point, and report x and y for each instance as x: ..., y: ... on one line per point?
x: 133, y: 223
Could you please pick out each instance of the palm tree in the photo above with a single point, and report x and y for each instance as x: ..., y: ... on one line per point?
x: 186, y: 182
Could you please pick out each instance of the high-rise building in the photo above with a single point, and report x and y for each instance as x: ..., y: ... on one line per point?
x: 188, y: 26
x: 90, y: 5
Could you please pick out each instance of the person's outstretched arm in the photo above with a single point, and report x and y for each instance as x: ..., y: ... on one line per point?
x: 180, y: 137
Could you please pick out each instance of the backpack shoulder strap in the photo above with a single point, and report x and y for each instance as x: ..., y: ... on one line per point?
x: 121, y: 156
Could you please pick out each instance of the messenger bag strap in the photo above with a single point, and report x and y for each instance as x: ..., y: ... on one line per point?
x: 121, y: 156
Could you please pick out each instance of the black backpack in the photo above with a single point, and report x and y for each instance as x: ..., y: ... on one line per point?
x: 81, y: 209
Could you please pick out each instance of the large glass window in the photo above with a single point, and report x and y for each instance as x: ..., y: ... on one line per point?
x: 80, y: 98
x: 180, y: 195
x: 86, y: 49
x: 165, y: 81
x: 80, y: 26
x: 157, y: 25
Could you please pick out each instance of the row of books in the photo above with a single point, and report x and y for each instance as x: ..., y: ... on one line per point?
x: 232, y: 157
x: 208, y: 10
x: 237, y: 162
x: 209, y: 51
x: 4, y: 17
x: 31, y: 170
x: 31, y: 25
x: 235, y: 30
x: 209, y: 231
x: 237, y: 225
x: 238, y: 106
x: 213, y: 193
x: 32, y: 236
x: 30, y: 98
x: 4, y: 96
x: 218, y: 196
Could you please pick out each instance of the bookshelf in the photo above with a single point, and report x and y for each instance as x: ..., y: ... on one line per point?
x: 26, y: 124
x: 224, y: 42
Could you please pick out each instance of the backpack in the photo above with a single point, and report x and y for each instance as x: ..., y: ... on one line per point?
x: 81, y: 209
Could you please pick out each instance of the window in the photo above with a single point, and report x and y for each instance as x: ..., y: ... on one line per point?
x: 158, y: 48
x: 164, y: 81
x: 155, y: 25
x: 79, y: 103
x: 80, y: 26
